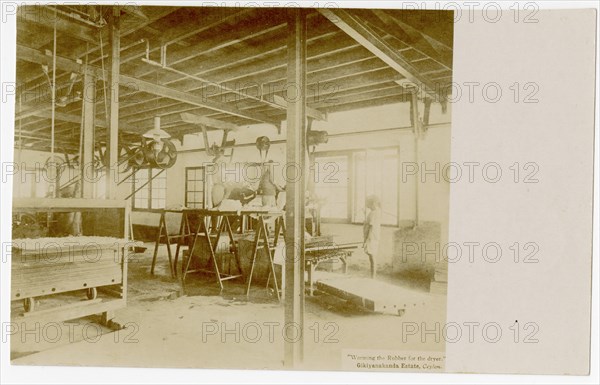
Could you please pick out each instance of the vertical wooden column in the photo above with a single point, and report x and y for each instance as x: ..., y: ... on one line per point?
x: 112, y: 143
x: 417, y: 136
x: 295, y: 188
x: 89, y: 116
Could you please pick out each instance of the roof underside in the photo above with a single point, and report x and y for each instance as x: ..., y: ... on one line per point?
x: 234, y: 57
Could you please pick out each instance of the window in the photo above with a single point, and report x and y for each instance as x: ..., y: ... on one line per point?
x: 344, y: 180
x: 376, y: 173
x: 150, y: 189
x: 331, y: 186
x: 195, y: 187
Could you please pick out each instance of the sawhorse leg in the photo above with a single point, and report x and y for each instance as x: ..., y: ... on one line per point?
x: 184, y: 233
x: 186, y: 266
x: 212, y: 250
x: 162, y: 225
x: 253, y: 259
x: 262, y: 234
x: 267, y: 249
x: 234, y: 248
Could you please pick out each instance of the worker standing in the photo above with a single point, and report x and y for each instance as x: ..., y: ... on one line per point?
x: 372, y: 231
x: 268, y: 189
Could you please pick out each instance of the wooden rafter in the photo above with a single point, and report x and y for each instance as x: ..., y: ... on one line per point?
x: 63, y: 24
x: 415, y: 38
x: 36, y: 56
x: 358, y: 30
x: 208, y: 122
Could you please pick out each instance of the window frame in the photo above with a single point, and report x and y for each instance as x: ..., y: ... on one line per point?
x: 351, y: 193
x: 204, y: 183
x: 149, y: 207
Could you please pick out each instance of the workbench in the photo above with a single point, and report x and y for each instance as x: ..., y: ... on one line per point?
x: 321, y: 253
x: 317, y: 250
x: 209, y: 224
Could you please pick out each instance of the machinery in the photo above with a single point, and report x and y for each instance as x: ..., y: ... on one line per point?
x: 218, y: 151
x: 263, y: 143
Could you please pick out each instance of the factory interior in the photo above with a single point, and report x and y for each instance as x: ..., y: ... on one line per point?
x: 191, y: 181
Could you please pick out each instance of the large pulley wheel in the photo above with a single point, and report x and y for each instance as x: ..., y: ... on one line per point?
x: 160, y: 154
x: 137, y: 158
x: 123, y: 159
x: 263, y: 143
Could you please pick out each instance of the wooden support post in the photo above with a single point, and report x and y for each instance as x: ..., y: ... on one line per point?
x: 113, y: 107
x: 89, y: 113
x: 417, y: 133
x: 295, y: 188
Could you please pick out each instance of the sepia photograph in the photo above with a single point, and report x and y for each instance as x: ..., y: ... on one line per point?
x: 217, y: 186
x: 212, y: 187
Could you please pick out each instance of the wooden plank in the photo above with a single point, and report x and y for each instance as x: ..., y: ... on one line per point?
x: 208, y: 122
x: 295, y: 187
x: 66, y: 204
x: 65, y: 283
x: 62, y: 308
x: 81, y: 310
x: 359, y: 31
x: 372, y: 294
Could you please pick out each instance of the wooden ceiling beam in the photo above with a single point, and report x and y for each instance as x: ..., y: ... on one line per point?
x: 231, y: 37
x: 368, y: 103
x: 64, y: 24
x: 358, y: 30
x: 411, y: 36
x: 273, y: 78
x: 185, y: 97
x: 183, y: 31
x: 208, y: 122
x: 227, y: 73
x: 261, y: 54
x: 380, y: 93
x: 36, y: 56
x: 65, y: 117
x: 319, y: 91
x: 128, y: 27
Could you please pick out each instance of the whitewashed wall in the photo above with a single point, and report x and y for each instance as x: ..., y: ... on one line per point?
x: 434, y: 149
